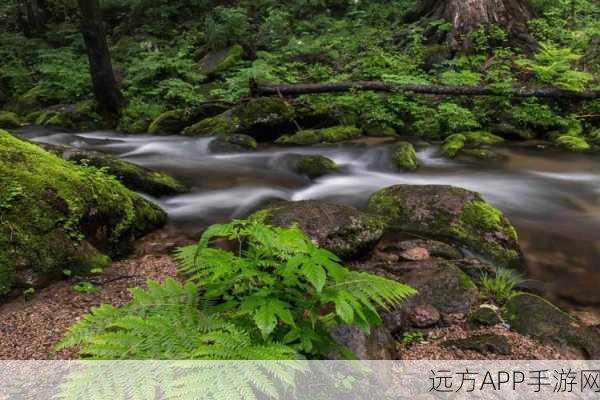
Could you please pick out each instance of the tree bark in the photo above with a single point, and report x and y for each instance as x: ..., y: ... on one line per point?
x: 465, y: 16
x: 107, y: 93
x: 313, y: 88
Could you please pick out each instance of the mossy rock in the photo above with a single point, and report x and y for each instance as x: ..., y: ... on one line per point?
x: 169, y: 123
x: 233, y: 144
x: 405, y: 157
x: 485, y: 316
x: 315, y: 166
x: 454, y: 144
x: 572, y: 143
x: 82, y: 116
x: 335, y: 134
x: 133, y: 176
x: 217, y: 62
x: 453, y: 213
x: 9, y: 120
x: 534, y: 316
x: 340, y: 229
x: 379, y: 130
x: 264, y: 119
x: 57, y: 216
x: 440, y: 284
x: 483, y: 344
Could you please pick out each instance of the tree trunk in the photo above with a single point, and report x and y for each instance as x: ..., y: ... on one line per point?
x: 466, y: 16
x: 107, y: 93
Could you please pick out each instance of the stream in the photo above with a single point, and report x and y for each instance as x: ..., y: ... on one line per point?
x: 552, y: 197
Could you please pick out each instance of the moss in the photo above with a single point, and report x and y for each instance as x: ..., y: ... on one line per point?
x: 482, y: 154
x: 56, y: 215
x: 9, y: 120
x: 334, y: 134
x: 405, y: 157
x: 534, y: 316
x: 453, y: 144
x: 465, y: 282
x: 219, y: 125
x: 479, y: 138
x: 316, y: 166
x: 453, y: 213
x: 77, y: 117
x: 572, y: 143
x: 170, y: 123
x: 378, y: 130
x: 132, y: 176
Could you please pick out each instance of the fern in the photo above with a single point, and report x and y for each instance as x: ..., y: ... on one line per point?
x: 286, y: 287
x: 276, y: 298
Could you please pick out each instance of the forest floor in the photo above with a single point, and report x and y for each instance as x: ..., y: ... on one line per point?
x: 29, y: 329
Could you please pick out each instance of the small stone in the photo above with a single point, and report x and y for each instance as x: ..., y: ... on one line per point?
x: 485, y: 315
x: 424, y: 316
x: 416, y: 254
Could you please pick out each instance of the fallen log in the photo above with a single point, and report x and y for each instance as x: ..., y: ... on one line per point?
x: 257, y: 89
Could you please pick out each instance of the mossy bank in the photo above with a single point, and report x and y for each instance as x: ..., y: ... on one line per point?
x: 58, y: 217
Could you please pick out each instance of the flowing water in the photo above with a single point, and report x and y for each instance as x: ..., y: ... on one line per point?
x: 553, y: 198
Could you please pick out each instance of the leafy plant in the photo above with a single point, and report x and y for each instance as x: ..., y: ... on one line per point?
x: 413, y: 337
x: 291, y: 290
x: 553, y: 66
x: 276, y: 299
x: 29, y: 294
x: 84, y: 287
x: 500, y: 287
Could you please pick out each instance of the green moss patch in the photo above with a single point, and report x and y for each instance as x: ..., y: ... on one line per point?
x: 405, y: 157
x: 58, y: 216
x: 9, y: 120
x: 316, y: 166
x: 572, y: 143
x: 334, y: 134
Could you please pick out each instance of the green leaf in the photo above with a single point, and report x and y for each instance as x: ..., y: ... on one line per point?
x: 265, y: 320
x: 315, y: 274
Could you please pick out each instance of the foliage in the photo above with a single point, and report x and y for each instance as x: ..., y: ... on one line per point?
x: 226, y: 26
x: 413, y: 337
x: 84, y: 287
x: 64, y: 76
x: 276, y: 299
x: 553, y: 66
x: 501, y: 286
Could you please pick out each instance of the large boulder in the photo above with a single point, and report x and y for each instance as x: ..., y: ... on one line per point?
x: 264, y: 119
x: 340, y: 229
x: 220, y: 61
x: 452, y: 213
x: 58, y: 216
x: 233, y: 144
x: 133, y: 176
x: 531, y: 315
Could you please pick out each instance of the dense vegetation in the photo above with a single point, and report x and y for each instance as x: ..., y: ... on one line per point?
x: 271, y: 287
x: 159, y: 51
